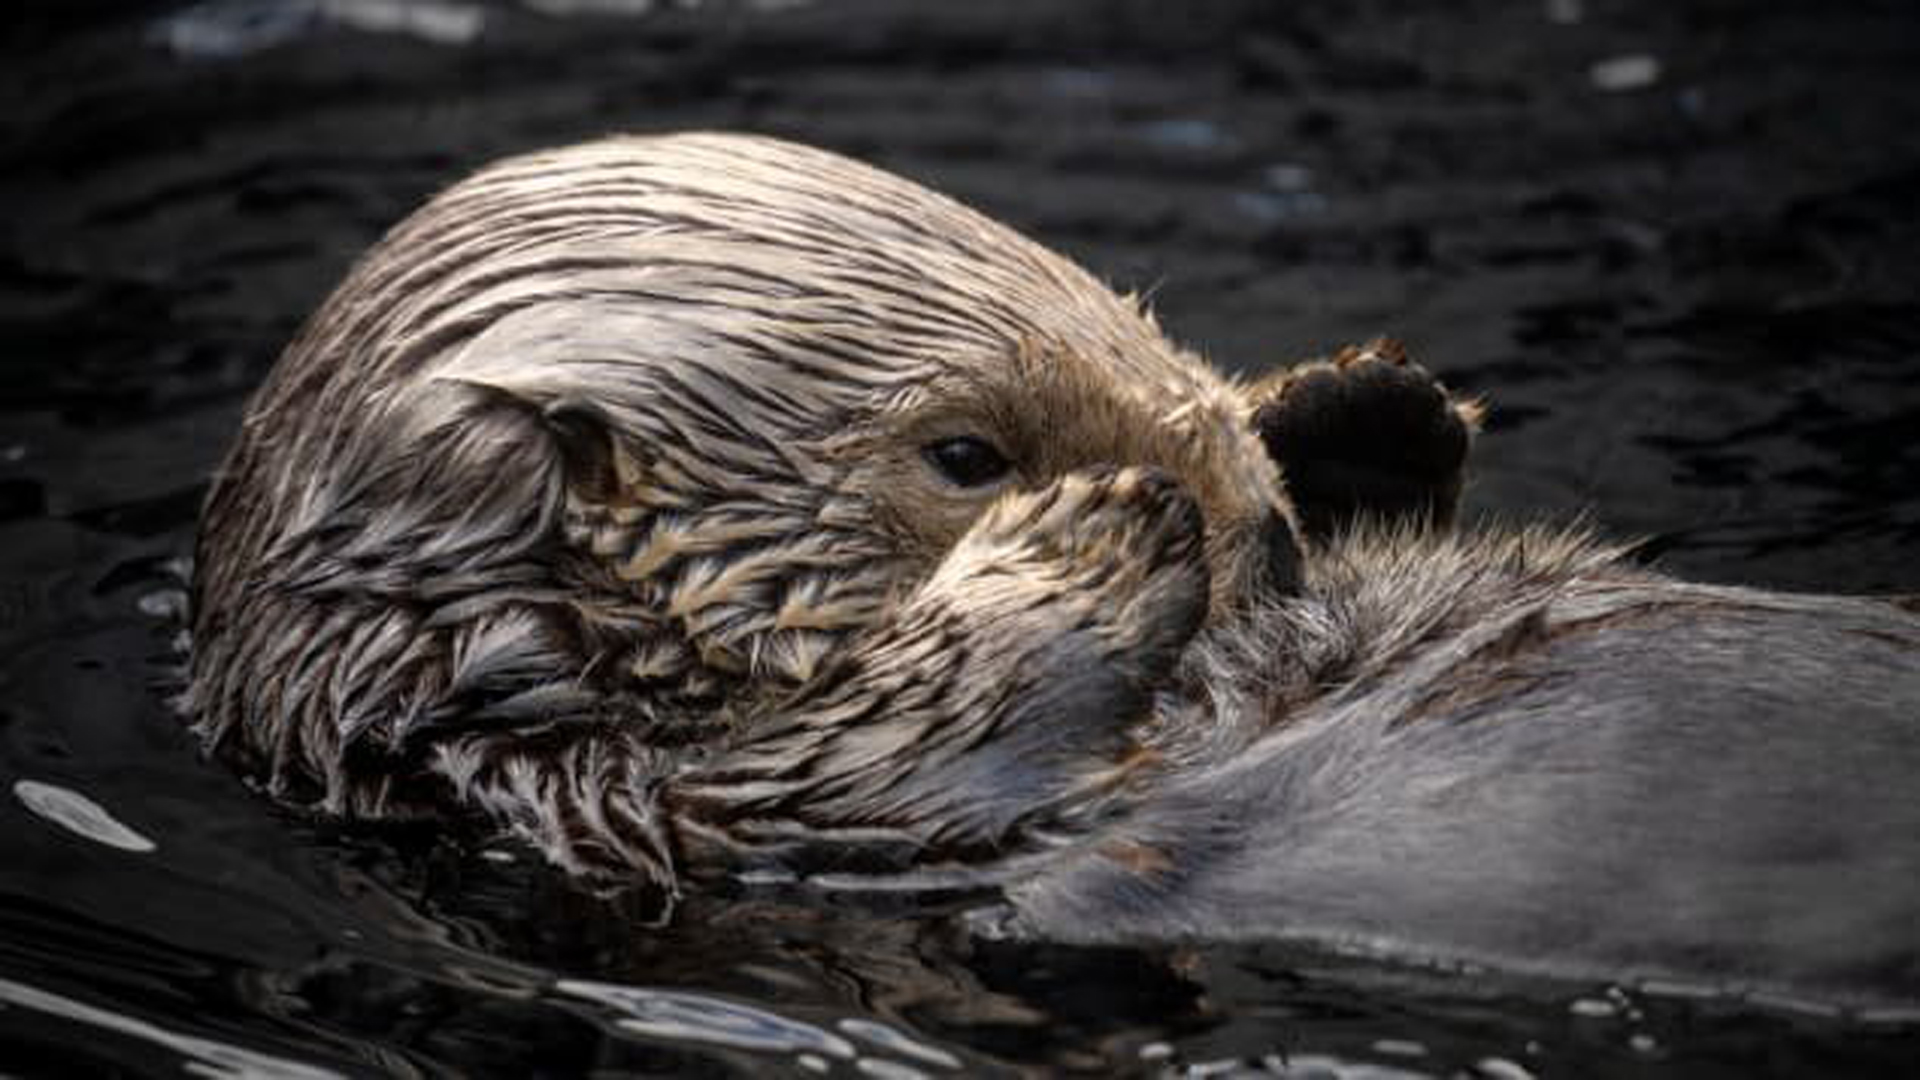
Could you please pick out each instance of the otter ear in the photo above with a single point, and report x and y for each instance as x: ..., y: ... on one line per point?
x: 579, y: 431
x: 585, y: 372
x: 588, y: 456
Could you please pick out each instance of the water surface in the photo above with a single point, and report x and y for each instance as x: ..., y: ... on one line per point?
x: 1674, y: 244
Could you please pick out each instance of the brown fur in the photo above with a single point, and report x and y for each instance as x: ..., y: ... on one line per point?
x: 597, y: 502
x: 601, y: 503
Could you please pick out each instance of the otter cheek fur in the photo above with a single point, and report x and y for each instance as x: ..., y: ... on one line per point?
x: 688, y: 502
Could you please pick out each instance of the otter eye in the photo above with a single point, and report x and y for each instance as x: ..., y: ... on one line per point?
x: 966, y: 460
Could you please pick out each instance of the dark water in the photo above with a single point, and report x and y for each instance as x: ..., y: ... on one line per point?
x: 1675, y: 243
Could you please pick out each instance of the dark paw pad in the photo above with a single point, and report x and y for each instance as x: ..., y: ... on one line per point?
x: 1368, y: 433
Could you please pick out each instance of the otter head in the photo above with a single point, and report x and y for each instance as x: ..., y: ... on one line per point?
x: 668, y: 419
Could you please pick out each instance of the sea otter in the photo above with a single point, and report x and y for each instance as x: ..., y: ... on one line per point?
x: 658, y: 496
x: 697, y: 504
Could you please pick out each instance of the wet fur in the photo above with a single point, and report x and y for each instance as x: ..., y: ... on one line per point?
x: 595, y: 501
x: 504, y: 536
x: 1517, y: 748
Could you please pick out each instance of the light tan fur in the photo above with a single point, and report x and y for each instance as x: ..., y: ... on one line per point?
x: 609, y: 466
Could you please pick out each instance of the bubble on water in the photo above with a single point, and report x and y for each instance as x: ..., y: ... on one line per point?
x: 169, y: 604
x: 1619, y: 74
x: 79, y: 815
x: 1495, y: 1068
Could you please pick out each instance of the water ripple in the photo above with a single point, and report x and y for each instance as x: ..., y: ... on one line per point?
x: 209, y: 1058
x: 671, y: 1014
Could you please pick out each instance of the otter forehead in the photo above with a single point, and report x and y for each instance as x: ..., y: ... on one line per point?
x: 804, y: 271
x: 877, y: 260
x: 738, y: 292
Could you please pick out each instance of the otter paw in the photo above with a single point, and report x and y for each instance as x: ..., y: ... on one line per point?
x: 1120, y: 549
x: 1366, y: 433
x: 997, y: 707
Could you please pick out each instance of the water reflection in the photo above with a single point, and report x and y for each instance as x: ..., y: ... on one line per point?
x: 668, y: 1014
x: 231, y: 29
x: 205, y: 1057
x: 227, y: 29
x: 1682, y: 328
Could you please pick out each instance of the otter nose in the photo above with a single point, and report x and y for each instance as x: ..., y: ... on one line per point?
x: 1283, y: 554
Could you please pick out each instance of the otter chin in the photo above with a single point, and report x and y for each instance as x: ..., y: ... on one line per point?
x: 700, y: 504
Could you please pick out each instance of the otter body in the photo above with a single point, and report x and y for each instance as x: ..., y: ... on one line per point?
x: 700, y: 504
x: 1516, y: 749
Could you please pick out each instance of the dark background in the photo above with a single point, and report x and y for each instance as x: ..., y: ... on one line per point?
x: 1675, y: 244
